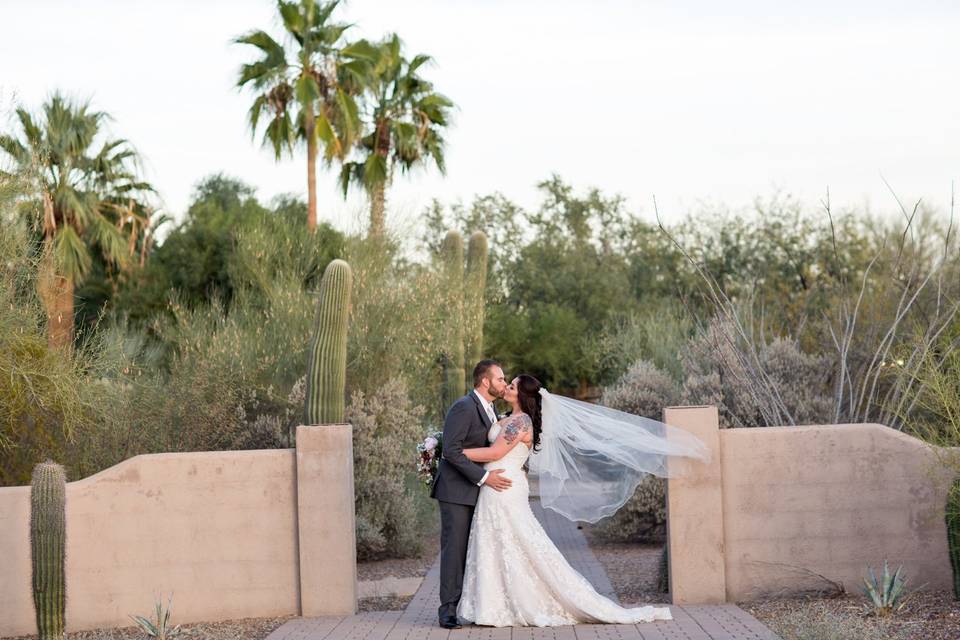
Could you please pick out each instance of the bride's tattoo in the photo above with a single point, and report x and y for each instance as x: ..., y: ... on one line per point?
x: 513, y: 428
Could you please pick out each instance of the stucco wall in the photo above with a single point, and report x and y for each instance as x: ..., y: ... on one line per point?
x: 230, y: 534
x: 799, y: 501
x: 830, y: 499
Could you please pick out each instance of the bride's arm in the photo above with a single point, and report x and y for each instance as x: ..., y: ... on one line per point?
x: 511, y: 433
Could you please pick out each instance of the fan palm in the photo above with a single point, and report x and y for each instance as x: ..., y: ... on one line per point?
x: 313, y: 78
x: 75, y: 186
x: 404, y: 117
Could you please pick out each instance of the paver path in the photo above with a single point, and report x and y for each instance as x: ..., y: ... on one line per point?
x: 419, y: 620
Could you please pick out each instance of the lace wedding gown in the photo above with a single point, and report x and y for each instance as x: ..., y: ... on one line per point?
x: 515, y: 575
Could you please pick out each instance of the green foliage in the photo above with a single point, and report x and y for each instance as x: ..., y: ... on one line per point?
x: 48, y: 547
x: 398, y: 324
x: 886, y: 594
x: 327, y: 364
x: 159, y: 629
x: 386, y: 428
x: 952, y: 517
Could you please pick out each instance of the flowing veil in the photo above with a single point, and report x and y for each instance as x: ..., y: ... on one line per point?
x: 592, y: 457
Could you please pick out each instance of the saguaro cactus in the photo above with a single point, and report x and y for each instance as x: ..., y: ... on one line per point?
x: 48, y: 490
x: 452, y: 259
x: 953, y: 534
x: 327, y: 364
x: 475, y: 280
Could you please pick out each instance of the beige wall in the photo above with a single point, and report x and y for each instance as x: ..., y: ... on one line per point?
x: 800, y: 500
x: 833, y: 500
x: 218, y: 530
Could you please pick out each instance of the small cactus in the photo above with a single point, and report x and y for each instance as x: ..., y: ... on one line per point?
x: 663, y: 572
x: 327, y: 364
x: 48, y: 490
x: 475, y: 280
x: 452, y: 259
x: 953, y: 534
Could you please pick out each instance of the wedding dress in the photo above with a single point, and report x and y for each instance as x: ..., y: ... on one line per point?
x: 516, y: 576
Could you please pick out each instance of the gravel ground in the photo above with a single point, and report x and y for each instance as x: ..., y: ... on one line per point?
x: 404, y: 567
x: 243, y: 629
x: 631, y: 567
x: 928, y: 615
x: 388, y: 603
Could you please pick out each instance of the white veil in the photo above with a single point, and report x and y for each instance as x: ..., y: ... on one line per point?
x: 592, y: 457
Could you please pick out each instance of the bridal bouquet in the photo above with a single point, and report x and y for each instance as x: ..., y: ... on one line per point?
x: 428, y: 457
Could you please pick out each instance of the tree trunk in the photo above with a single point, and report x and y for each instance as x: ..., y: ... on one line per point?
x: 56, y: 293
x: 311, y: 177
x: 378, y: 201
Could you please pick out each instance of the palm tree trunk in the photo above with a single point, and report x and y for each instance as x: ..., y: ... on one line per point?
x: 378, y: 201
x: 56, y: 293
x: 311, y: 177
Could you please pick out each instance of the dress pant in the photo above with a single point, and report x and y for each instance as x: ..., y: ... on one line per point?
x: 455, y: 521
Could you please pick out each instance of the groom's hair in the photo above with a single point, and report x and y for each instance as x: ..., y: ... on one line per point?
x: 480, y: 371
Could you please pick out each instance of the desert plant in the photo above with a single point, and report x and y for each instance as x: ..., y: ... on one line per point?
x: 475, y: 280
x: 386, y: 428
x: 160, y: 629
x: 886, y: 595
x: 953, y: 534
x: 327, y: 364
x: 452, y: 357
x: 48, y: 547
x: 663, y: 571
x: 643, y: 390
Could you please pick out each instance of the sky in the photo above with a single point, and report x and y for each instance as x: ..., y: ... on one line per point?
x: 700, y: 104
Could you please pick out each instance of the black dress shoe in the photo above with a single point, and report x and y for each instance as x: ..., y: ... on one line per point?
x: 450, y: 622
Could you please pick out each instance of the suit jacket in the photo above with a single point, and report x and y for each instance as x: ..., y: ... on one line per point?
x: 465, y: 427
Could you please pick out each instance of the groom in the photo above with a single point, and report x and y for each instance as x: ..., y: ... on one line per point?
x: 458, y: 480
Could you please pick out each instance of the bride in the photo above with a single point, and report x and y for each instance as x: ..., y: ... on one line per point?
x: 588, y: 464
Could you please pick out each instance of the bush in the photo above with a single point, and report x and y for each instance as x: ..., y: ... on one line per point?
x: 644, y: 390
x: 386, y: 428
x: 719, y: 370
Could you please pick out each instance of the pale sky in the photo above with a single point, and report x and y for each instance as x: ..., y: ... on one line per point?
x: 690, y: 101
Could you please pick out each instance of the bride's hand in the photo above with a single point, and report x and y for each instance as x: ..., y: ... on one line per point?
x: 497, y: 481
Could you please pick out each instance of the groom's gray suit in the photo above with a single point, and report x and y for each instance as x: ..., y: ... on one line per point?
x: 456, y: 487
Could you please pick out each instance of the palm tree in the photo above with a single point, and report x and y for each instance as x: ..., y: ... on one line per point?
x: 314, y: 78
x: 75, y: 188
x: 404, y: 117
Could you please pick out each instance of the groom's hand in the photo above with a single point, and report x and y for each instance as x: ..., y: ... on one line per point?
x: 497, y: 481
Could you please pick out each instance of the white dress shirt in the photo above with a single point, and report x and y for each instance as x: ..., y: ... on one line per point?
x: 488, y: 407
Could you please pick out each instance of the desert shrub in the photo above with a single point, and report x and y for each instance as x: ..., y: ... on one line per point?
x: 816, y: 622
x: 386, y: 427
x: 643, y: 517
x: 398, y: 323
x: 643, y: 390
x: 720, y: 370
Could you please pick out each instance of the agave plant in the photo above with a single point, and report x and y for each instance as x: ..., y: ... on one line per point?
x: 886, y: 595
x: 161, y: 628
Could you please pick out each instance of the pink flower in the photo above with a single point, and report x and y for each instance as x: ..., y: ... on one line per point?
x: 430, y: 443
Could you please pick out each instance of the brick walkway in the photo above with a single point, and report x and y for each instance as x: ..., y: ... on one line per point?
x: 419, y: 620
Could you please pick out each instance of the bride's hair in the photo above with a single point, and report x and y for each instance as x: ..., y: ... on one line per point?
x: 528, y: 393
